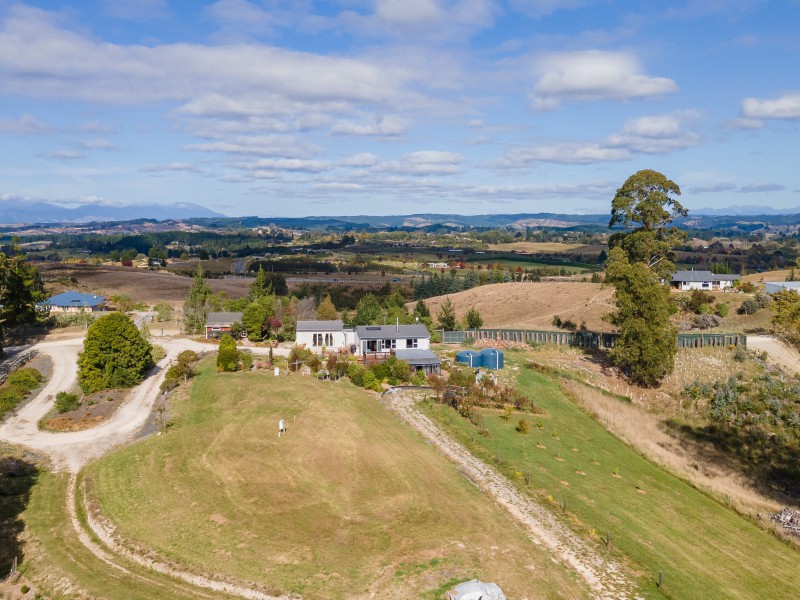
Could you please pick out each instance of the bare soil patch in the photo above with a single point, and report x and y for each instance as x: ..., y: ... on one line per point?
x: 149, y: 287
x: 533, y: 305
x: 95, y: 408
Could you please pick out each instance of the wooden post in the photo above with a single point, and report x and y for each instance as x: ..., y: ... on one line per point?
x: 608, y: 538
x: 660, y: 579
x: 564, y: 505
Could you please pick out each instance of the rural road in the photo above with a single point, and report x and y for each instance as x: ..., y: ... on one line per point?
x: 71, y: 451
x: 778, y: 351
x: 606, y: 578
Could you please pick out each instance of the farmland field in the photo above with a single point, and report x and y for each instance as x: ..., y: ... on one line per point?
x: 657, y: 521
x: 350, y: 503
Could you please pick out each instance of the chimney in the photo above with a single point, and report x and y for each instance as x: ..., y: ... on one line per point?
x: 397, y: 325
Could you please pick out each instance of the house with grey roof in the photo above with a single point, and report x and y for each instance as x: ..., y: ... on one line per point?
x: 703, y: 280
x: 386, y: 338
x: 218, y: 323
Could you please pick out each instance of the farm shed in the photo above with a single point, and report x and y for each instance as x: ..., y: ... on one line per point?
x: 73, y: 302
x: 469, y: 357
x: 318, y: 334
x: 492, y: 358
x: 218, y: 323
x: 420, y: 360
x: 773, y: 287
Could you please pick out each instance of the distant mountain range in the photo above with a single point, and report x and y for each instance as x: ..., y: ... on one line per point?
x: 748, y: 210
x: 12, y: 212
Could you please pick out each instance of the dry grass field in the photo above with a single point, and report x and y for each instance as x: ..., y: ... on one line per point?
x: 350, y: 504
x: 533, y: 305
x: 149, y: 287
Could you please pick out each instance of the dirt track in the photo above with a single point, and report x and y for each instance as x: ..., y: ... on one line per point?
x: 777, y: 351
x: 606, y: 578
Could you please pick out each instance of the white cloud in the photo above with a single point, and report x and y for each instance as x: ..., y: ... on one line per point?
x: 384, y: 126
x: 338, y: 186
x: 783, y: 107
x: 66, y: 155
x: 259, y: 145
x: 175, y: 166
x: 593, y: 75
x: 759, y: 188
x: 363, y: 159
x: 713, y: 189
x: 423, y: 163
x: 656, y: 134
x: 562, y: 153
x: 285, y: 164
x: 407, y: 12
x: 25, y: 124
x: 98, y: 144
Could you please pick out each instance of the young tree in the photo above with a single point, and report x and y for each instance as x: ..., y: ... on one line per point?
x: 447, y: 316
x: 115, y: 355
x: 368, y: 311
x: 228, y: 355
x: 474, y: 319
x: 421, y: 309
x: 254, y: 317
x: 326, y: 311
x: 645, y: 207
x: 196, y: 307
x: 261, y: 286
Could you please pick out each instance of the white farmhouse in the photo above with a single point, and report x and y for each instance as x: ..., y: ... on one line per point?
x: 315, y: 335
x: 386, y: 338
x: 702, y: 280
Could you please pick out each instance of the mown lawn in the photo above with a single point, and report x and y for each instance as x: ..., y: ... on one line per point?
x: 351, y: 502
x: 656, y: 521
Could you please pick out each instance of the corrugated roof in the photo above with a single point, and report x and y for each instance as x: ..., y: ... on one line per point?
x: 391, y: 332
x: 222, y: 319
x: 66, y: 299
x: 417, y: 356
x: 699, y: 276
x: 334, y: 325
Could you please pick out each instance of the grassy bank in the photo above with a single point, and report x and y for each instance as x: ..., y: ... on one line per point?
x: 658, y: 522
x: 350, y: 502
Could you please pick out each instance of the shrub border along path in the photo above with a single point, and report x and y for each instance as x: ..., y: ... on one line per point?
x: 608, y: 579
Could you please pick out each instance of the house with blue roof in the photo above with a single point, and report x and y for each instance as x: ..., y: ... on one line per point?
x: 73, y: 302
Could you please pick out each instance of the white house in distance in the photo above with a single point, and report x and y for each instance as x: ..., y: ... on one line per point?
x: 702, y: 280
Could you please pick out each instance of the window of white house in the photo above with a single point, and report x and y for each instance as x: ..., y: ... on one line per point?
x: 389, y: 344
x: 323, y: 339
x: 411, y: 343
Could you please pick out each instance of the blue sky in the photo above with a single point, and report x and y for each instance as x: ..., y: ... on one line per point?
x: 296, y: 107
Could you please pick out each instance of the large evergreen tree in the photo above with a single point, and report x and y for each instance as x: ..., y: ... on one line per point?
x: 326, y: 311
x: 115, y: 355
x: 639, y: 259
x: 196, y: 306
x: 447, y: 316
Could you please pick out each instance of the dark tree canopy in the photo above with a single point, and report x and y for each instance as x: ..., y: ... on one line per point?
x: 115, y: 355
x: 20, y: 289
x: 645, y: 206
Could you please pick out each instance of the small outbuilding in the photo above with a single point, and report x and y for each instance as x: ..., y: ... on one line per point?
x: 773, y: 287
x: 218, y: 323
x: 492, y: 358
x: 471, y: 358
x: 420, y: 360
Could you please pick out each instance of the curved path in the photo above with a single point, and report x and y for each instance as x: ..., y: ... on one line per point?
x: 605, y: 577
x: 777, y: 350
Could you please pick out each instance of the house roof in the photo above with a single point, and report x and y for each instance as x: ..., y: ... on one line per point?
x: 391, y: 332
x: 222, y: 319
x: 67, y: 299
x: 333, y: 325
x: 775, y: 286
x: 699, y: 276
x: 417, y: 356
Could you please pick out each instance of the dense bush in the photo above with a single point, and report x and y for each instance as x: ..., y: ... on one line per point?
x: 301, y: 356
x: 227, y: 355
x: 749, y: 307
x: 722, y: 310
x: 66, y: 402
x: 26, y: 378
x: 158, y: 353
x: 115, y: 355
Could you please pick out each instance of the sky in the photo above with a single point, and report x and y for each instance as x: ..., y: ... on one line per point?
x: 345, y: 107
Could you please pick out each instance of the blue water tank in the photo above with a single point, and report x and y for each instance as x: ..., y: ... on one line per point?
x: 471, y: 358
x: 492, y: 358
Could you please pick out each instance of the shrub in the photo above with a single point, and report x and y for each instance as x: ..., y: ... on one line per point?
x: 66, y: 402
x: 163, y: 311
x: 168, y: 385
x: 419, y: 378
x: 747, y: 287
x: 763, y: 299
x: 228, y: 355
x: 371, y: 382
x: 300, y: 355
x: 722, y: 310
x: 158, y: 353
x: 247, y: 360
x: 187, y: 357
x: 699, y: 301
x: 27, y: 379
x: 522, y: 426
x: 356, y: 374
x: 178, y: 371
x: 749, y: 307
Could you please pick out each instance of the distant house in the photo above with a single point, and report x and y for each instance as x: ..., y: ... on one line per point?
x: 218, y: 323
x: 73, y: 302
x: 318, y: 334
x: 773, y: 287
x: 702, y: 280
x: 438, y: 265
